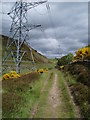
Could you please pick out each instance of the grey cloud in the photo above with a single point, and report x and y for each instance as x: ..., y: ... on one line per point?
x: 66, y: 25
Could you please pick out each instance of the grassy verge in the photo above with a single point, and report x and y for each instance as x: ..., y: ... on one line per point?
x: 71, y: 81
x: 19, y: 95
x: 66, y: 106
x: 41, y: 111
x: 80, y: 93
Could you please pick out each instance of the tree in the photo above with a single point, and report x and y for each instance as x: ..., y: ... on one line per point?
x: 65, y: 59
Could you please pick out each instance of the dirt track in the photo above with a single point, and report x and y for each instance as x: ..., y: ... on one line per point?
x: 54, y: 106
x: 53, y: 101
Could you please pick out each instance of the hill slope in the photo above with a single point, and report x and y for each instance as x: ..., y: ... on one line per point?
x: 37, y: 56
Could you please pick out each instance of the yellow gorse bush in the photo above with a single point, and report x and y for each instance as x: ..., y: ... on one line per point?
x: 73, y: 60
x: 61, y: 67
x: 5, y: 77
x: 46, y: 69
x: 82, y: 54
x: 40, y: 70
x: 10, y: 75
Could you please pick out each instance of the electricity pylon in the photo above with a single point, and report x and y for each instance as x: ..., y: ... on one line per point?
x: 19, y: 32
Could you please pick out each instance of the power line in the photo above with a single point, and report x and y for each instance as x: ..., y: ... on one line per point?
x: 3, y: 13
x: 51, y: 21
x: 19, y: 32
x: 39, y: 12
x: 50, y: 18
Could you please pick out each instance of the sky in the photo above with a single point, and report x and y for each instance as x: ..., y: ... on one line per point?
x: 64, y: 27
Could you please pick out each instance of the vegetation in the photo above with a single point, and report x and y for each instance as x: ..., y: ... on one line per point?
x: 83, y: 54
x: 70, y: 113
x: 65, y: 59
x: 19, y: 95
x: 42, y: 111
x: 80, y: 70
x: 80, y: 93
x: 61, y: 67
x: 10, y: 75
x: 77, y: 76
x: 26, y: 65
x: 37, y: 56
x: 42, y: 70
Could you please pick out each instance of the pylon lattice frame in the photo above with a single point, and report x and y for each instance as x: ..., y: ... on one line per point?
x: 19, y: 32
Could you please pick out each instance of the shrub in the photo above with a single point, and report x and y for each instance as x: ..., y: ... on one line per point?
x: 82, y: 54
x: 10, y: 75
x: 61, y: 67
x: 80, y: 92
x: 65, y: 59
x: 40, y: 70
x: 46, y: 70
x: 83, y: 77
x: 5, y: 77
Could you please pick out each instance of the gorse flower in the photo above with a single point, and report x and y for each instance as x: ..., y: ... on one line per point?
x: 82, y: 54
x: 10, y: 75
x: 61, y: 67
x: 42, y: 70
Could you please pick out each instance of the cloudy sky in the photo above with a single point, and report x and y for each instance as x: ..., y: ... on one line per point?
x: 64, y: 27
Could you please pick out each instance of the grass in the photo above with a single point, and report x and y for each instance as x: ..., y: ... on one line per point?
x: 66, y: 106
x: 50, y: 66
x: 80, y: 93
x: 78, y: 81
x: 32, y: 96
x: 27, y: 67
x: 20, y: 95
x: 42, y: 111
x: 71, y: 81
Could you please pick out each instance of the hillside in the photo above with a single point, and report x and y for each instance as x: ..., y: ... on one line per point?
x: 37, y: 56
